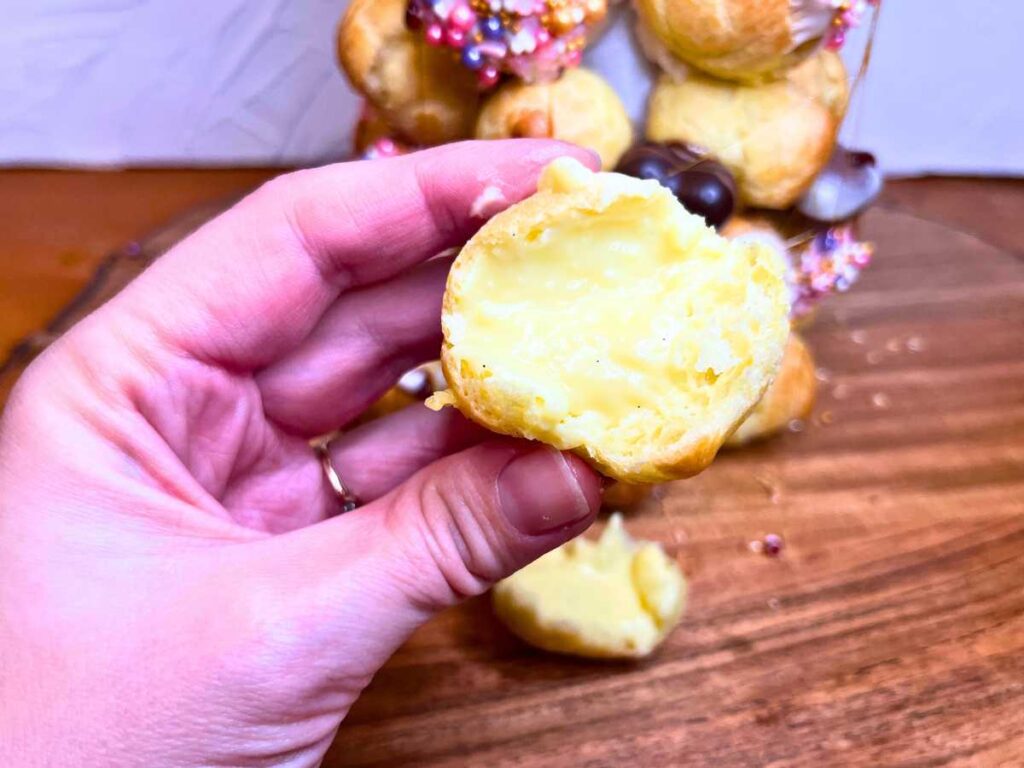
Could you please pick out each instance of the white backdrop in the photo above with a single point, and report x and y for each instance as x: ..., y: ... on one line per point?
x: 112, y: 82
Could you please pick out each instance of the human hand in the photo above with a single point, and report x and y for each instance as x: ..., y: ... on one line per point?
x: 175, y: 585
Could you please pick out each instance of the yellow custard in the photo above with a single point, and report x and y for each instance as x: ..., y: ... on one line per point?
x: 599, y: 316
x: 610, y: 598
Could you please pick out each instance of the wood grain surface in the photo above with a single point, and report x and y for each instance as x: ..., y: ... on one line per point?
x: 58, y: 227
x: 890, y: 630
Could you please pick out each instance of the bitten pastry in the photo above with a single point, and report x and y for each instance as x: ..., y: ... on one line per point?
x: 422, y: 92
x: 790, y: 396
x: 774, y: 138
x: 579, y: 107
x: 613, y: 598
x: 599, y: 316
x: 746, y: 40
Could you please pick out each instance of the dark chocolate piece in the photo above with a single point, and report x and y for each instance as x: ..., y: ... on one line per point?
x: 704, y: 187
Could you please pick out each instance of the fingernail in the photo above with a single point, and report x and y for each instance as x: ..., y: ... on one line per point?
x: 542, y: 491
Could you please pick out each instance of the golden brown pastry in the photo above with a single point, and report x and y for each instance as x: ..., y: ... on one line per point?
x: 790, y: 396
x: 746, y: 40
x: 423, y: 92
x: 613, y: 598
x: 823, y: 77
x: 599, y: 316
x: 774, y: 138
x: 579, y: 107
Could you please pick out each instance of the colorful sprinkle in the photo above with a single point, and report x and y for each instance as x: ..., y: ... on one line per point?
x: 849, y: 14
x: 831, y: 264
x: 529, y: 39
x: 773, y: 545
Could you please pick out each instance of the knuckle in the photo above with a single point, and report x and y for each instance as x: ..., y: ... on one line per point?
x: 456, y: 536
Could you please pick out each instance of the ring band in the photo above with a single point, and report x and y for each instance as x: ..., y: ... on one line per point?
x: 347, y: 499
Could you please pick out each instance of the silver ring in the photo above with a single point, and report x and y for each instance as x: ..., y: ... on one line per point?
x: 347, y: 499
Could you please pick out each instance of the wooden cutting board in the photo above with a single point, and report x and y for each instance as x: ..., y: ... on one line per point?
x: 889, y: 631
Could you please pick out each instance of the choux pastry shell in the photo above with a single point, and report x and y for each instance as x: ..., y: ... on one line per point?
x: 744, y: 40
x: 423, y: 92
x: 774, y: 138
x: 790, y: 396
x: 823, y: 77
x: 579, y: 107
x: 601, y: 317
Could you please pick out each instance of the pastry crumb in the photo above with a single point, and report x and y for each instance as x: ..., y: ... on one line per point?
x: 489, y: 202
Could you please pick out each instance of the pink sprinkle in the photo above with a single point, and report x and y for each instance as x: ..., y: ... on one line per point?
x: 456, y: 37
x: 772, y: 545
x: 463, y: 17
x: 488, y: 76
x: 434, y: 34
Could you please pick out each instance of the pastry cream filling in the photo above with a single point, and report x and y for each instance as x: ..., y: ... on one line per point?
x: 615, y: 597
x: 632, y: 318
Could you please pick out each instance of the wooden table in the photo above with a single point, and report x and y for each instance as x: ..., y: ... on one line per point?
x: 890, y: 631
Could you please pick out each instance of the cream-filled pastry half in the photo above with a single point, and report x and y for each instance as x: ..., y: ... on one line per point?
x: 611, y: 598
x: 601, y: 317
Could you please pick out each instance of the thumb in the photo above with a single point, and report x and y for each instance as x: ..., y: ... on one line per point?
x: 478, y: 516
x: 360, y: 583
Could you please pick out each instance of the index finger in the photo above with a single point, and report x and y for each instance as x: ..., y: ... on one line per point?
x: 251, y: 284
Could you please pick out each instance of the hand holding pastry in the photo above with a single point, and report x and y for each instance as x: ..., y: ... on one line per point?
x: 180, y: 582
